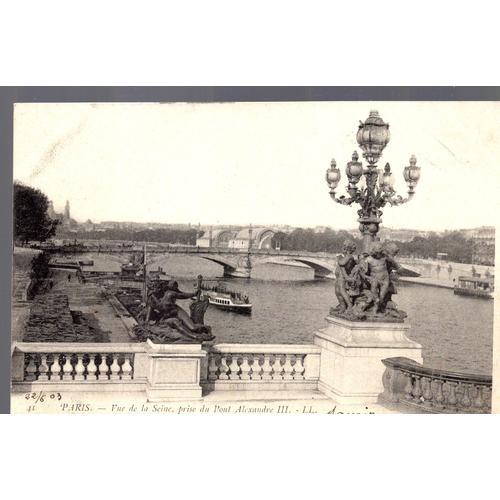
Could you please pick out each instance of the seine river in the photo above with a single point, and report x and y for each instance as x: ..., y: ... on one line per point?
x: 288, y: 305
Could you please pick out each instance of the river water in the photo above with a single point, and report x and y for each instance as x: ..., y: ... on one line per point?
x: 456, y: 332
x: 289, y: 305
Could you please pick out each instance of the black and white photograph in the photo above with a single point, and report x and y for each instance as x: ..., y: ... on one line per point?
x: 313, y: 257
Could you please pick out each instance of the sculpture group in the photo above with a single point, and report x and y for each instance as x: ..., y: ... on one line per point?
x: 163, y: 321
x: 365, y: 283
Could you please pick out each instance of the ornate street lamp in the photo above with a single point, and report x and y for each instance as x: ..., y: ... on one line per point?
x: 377, y: 189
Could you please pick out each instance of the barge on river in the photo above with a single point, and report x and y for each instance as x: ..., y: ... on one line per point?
x: 222, y: 298
x: 474, y: 286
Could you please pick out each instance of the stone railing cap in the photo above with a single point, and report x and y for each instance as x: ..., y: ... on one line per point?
x: 411, y: 366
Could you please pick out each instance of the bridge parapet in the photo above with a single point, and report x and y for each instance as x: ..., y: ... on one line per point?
x: 262, y: 367
x: 410, y: 384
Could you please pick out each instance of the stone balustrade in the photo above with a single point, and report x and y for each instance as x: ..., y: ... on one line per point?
x: 261, y: 366
x: 134, y: 366
x: 61, y: 364
x: 188, y: 371
x: 435, y: 391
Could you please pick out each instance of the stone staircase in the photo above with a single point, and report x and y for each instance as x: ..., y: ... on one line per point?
x: 81, y: 296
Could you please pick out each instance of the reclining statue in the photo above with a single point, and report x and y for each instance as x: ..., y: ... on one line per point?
x: 162, y: 320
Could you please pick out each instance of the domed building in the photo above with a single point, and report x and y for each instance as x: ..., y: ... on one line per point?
x: 253, y: 237
x: 217, y: 238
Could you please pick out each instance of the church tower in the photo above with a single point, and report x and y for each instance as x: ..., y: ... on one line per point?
x: 66, y: 212
x: 50, y: 210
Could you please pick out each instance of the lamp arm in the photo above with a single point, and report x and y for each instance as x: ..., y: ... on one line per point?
x: 342, y: 199
x: 395, y: 200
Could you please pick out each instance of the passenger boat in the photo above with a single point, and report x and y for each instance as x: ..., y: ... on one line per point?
x: 475, y: 286
x: 222, y: 298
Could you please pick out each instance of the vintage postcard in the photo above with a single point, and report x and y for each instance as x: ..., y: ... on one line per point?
x: 254, y: 257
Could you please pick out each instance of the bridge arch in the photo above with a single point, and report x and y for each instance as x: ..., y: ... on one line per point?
x: 221, y: 237
x: 265, y: 238
x: 241, y: 269
x: 321, y: 269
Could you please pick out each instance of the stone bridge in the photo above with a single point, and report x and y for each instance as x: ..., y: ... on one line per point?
x: 236, y: 263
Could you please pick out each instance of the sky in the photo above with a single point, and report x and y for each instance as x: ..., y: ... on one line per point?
x: 259, y: 163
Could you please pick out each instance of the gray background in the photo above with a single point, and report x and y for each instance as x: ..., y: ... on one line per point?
x: 11, y: 95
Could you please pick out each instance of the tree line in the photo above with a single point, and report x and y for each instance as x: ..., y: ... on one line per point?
x: 32, y: 223
x: 163, y: 235
x: 454, y: 243
x: 31, y: 220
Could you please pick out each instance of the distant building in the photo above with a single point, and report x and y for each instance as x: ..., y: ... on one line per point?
x: 256, y: 237
x: 216, y: 238
x: 87, y: 226
x: 67, y: 216
x: 66, y: 223
x: 387, y: 233
x: 51, y: 212
x: 483, y: 248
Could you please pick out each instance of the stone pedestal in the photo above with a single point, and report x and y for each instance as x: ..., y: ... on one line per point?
x: 174, y: 371
x: 351, y: 367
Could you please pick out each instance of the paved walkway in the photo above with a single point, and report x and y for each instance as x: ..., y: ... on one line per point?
x: 89, y: 298
x: 440, y: 283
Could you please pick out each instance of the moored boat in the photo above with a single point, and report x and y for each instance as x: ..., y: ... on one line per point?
x: 222, y: 298
x: 475, y: 286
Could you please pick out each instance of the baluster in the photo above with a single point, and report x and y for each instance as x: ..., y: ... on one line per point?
x: 30, y: 373
x: 288, y: 368
x: 55, y: 368
x: 126, y: 368
x: 452, y: 395
x: 212, y: 367
x: 114, y: 369
x: 67, y: 368
x: 256, y: 368
x: 277, y: 368
x: 234, y: 368
x: 245, y: 368
x: 417, y: 389
x: 439, y: 397
x: 486, y: 393
x: 409, y: 386
x: 103, y: 368
x: 267, y: 368
x: 465, y: 400
x: 43, y: 369
x: 92, y: 368
x: 223, y: 368
x: 427, y: 391
x: 298, y: 368
x: 79, y: 368
x: 478, y: 400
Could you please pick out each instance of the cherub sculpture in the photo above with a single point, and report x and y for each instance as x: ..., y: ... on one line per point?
x: 365, y: 284
x: 345, y: 282
x: 377, y: 272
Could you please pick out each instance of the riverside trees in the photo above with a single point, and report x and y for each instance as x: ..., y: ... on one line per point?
x: 31, y: 220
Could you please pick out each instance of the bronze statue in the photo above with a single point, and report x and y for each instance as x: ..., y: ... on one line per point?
x: 345, y: 283
x: 162, y: 320
x: 378, y: 274
x: 365, y: 289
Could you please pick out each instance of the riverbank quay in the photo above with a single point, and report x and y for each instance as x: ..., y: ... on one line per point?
x: 68, y: 309
x: 21, y: 282
x: 425, y: 281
